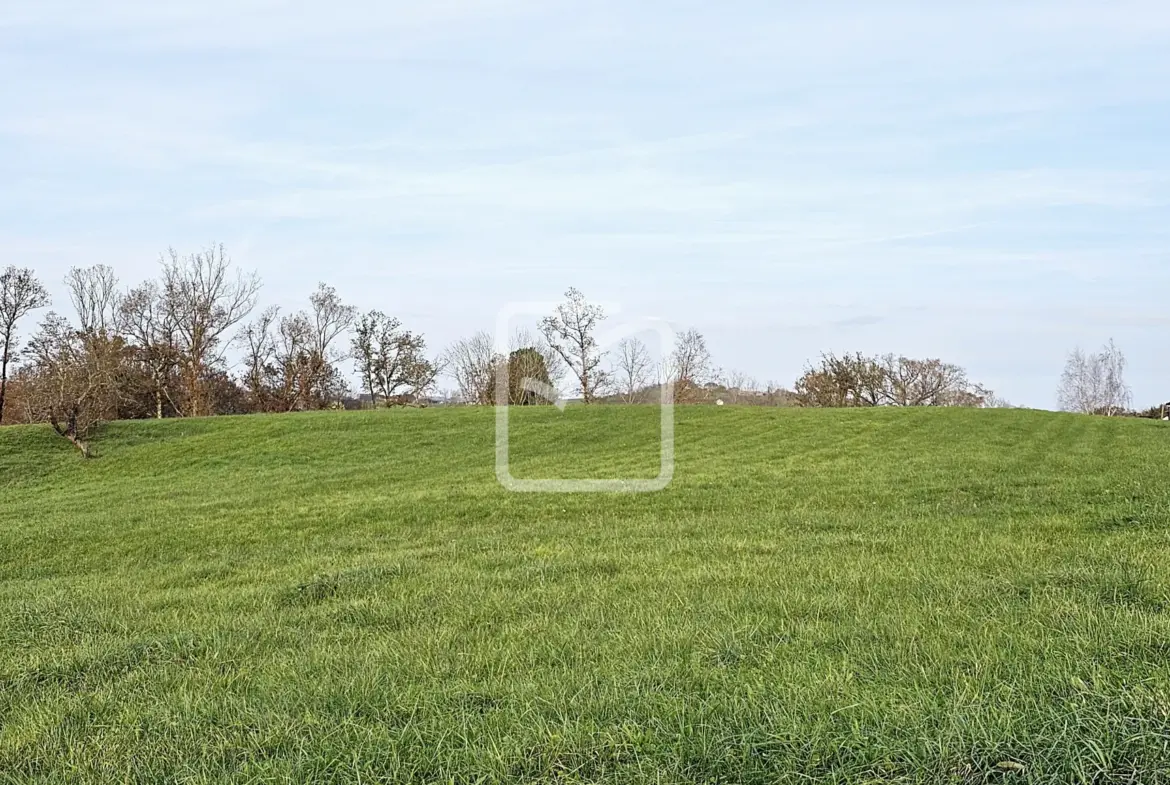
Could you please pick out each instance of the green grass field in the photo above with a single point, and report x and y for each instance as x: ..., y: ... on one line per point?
x: 820, y: 596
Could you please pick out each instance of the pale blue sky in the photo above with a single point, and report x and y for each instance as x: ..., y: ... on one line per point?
x: 985, y: 182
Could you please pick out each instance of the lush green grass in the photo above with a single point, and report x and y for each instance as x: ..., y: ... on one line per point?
x: 852, y: 596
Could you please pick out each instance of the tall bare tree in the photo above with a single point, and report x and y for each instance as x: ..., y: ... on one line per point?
x: 1094, y: 383
x: 298, y: 366
x: 291, y: 361
x: 97, y: 302
x: 306, y: 362
x: 259, y: 348
x: 690, y: 367
x: 571, y: 332
x: 95, y: 297
x: 149, y: 327
x: 20, y: 294
x: 634, y: 370
x: 391, y: 361
x: 205, y: 297
x: 329, y: 318
x: 471, y: 363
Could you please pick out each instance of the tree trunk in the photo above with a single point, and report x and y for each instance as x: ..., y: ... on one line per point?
x: 79, y: 444
x: 3, y: 378
x: 193, y: 390
x: 69, y: 432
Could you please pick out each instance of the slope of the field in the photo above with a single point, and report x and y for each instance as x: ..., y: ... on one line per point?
x: 850, y: 596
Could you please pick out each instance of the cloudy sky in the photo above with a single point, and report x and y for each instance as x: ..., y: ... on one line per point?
x: 984, y: 182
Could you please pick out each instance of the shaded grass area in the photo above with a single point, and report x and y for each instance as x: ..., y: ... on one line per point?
x: 839, y: 596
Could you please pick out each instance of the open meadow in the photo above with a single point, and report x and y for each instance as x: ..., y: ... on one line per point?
x: 921, y: 595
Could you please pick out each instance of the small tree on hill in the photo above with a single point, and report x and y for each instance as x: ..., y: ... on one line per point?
x: 928, y: 383
x: 689, y: 366
x: 634, y: 371
x: 848, y: 380
x: 20, y: 294
x: 291, y: 361
x: 204, y: 296
x: 471, y: 363
x: 1095, y: 383
x: 571, y: 332
x: 391, y: 361
x: 71, y: 380
x: 149, y: 326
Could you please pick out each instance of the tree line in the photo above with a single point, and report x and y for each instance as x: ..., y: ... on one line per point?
x: 160, y: 349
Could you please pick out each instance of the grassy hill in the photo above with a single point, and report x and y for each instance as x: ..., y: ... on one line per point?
x: 852, y: 596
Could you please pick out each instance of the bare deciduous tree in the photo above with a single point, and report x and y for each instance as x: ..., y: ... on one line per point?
x: 1095, y: 383
x: 290, y: 362
x: 70, y: 384
x: 634, y: 371
x: 205, y: 298
x: 738, y: 385
x: 690, y: 366
x: 570, y: 331
x: 474, y: 364
x: 993, y: 401
x: 97, y: 301
x: 259, y: 348
x: 20, y: 294
x: 95, y: 297
x: 296, y: 362
x: 391, y: 361
x: 330, y: 317
x: 842, y: 381
x: 149, y: 326
x: 858, y: 380
x: 471, y: 362
x: 926, y: 383
x: 1118, y: 396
